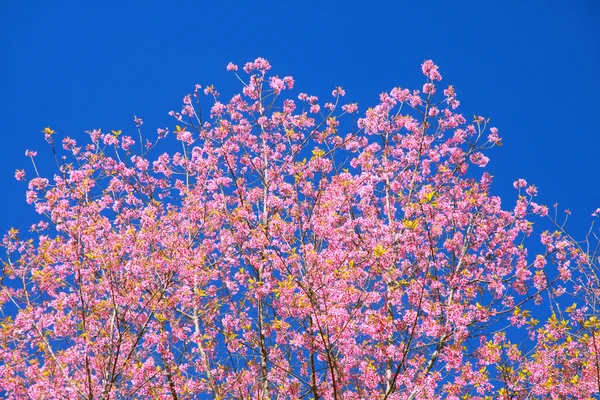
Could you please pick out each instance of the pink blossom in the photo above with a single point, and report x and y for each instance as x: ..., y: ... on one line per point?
x: 185, y: 136
x: 127, y: 142
x: 430, y: 70
x: 449, y: 92
x: 276, y: 84
x: 20, y: 174
x: 520, y: 183
x: 338, y: 92
x: 433, y: 111
x: 95, y: 135
x: 429, y: 88
x: 479, y: 159
x: 162, y: 132
x: 110, y: 140
x: 350, y: 108
x: 259, y: 64
x: 531, y: 190
x: 289, y: 81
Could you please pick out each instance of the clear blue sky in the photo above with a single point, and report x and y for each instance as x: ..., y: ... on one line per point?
x: 532, y: 66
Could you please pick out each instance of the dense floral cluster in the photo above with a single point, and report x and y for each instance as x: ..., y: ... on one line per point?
x: 287, y: 252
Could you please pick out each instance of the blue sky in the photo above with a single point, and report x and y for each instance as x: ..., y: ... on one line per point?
x: 531, y: 66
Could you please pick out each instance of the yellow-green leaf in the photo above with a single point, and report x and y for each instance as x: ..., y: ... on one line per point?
x: 410, y: 224
x: 379, y: 250
x: 318, y: 153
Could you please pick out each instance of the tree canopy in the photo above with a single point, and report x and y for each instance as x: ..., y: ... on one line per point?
x: 295, y: 248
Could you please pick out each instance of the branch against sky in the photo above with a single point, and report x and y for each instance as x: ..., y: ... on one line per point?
x: 291, y: 248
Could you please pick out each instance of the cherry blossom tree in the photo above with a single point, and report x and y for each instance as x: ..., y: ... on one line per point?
x: 289, y: 248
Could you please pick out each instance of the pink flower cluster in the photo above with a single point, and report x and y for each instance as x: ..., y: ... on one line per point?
x: 286, y: 249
